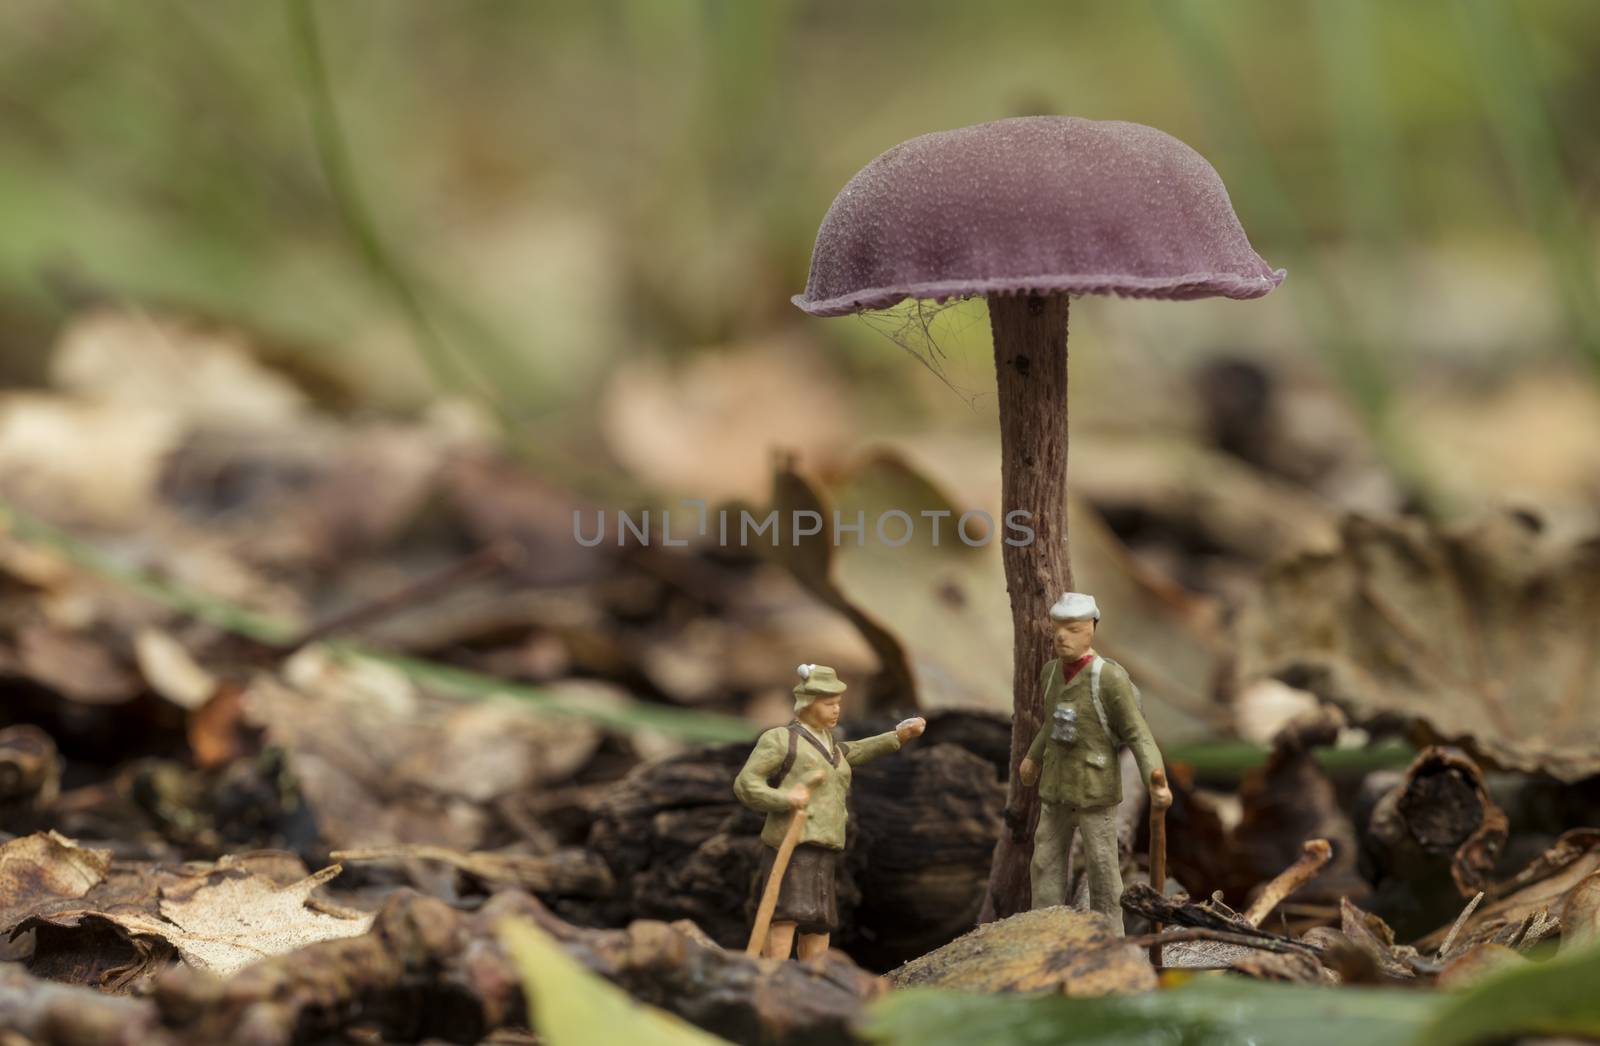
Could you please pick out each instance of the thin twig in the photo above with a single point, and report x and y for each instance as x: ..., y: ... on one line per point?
x: 483, y: 562
x: 1461, y: 920
x: 1314, y: 855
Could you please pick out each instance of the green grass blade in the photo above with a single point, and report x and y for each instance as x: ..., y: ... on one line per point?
x: 623, y: 717
x: 1498, y: 44
x: 449, y: 369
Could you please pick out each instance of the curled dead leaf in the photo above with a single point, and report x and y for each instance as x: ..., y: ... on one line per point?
x: 1369, y: 933
x: 41, y: 869
x: 114, y: 923
x: 1439, y: 813
x: 1487, y: 636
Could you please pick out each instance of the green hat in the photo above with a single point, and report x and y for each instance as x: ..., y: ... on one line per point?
x: 816, y: 681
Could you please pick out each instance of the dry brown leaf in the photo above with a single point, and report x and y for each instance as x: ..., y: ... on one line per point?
x: 1486, y: 636
x: 707, y: 430
x: 1185, y: 495
x: 191, y: 371
x: 76, y: 462
x: 1554, y: 412
x: 1049, y: 949
x: 218, y: 732
x: 64, y: 935
x: 380, y: 762
x: 1580, y: 915
x: 1481, y: 960
x: 1293, y: 967
x: 116, y: 934
x: 1373, y: 936
x: 170, y: 670
x: 225, y: 921
x: 569, y: 872
x: 30, y: 769
x: 77, y: 666
x: 41, y: 869
x: 126, y: 924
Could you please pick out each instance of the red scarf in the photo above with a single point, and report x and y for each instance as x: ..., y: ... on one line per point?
x: 1068, y: 672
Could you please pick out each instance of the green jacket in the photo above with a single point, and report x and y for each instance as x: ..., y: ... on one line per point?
x: 1084, y: 772
x: 825, y: 813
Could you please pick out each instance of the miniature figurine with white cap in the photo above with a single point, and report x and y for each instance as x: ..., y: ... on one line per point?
x: 799, y: 776
x: 1091, y: 711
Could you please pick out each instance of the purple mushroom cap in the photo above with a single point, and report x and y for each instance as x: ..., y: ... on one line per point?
x: 1036, y: 204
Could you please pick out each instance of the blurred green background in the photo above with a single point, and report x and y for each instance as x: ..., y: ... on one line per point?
x: 511, y: 199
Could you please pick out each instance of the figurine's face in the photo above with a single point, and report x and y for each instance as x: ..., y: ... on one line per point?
x: 823, y: 712
x: 1072, y: 638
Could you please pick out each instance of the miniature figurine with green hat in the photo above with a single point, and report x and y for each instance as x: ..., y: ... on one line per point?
x: 799, y: 776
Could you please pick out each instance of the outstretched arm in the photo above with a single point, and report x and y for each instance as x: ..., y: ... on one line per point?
x: 870, y: 748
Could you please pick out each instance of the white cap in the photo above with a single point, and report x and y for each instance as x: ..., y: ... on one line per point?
x: 1075, y: 606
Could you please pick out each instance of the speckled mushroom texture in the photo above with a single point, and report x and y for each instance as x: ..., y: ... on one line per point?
x: 1042, y: 204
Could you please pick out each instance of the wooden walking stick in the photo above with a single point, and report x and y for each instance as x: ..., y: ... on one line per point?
x: 780, y: 864
x: 1158, y: 854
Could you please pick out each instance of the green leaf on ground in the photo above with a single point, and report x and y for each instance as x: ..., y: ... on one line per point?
x: 1208, y: 1012
x: 569, y: 1006
x: 1556, y: 997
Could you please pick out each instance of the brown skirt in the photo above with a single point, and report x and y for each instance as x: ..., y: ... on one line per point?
x: 806, y: 897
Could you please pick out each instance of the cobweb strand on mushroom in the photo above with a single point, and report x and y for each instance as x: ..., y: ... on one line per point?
x: 910, y: 325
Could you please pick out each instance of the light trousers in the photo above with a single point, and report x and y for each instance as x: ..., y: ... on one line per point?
x: 1052, y: 841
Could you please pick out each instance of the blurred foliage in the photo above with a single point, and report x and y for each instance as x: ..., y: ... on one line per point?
x: 623, y: 715
x: 1553, y: 997
x: 525, y: 193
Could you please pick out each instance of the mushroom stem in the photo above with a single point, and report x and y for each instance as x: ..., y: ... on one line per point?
x: 1030, y: 362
